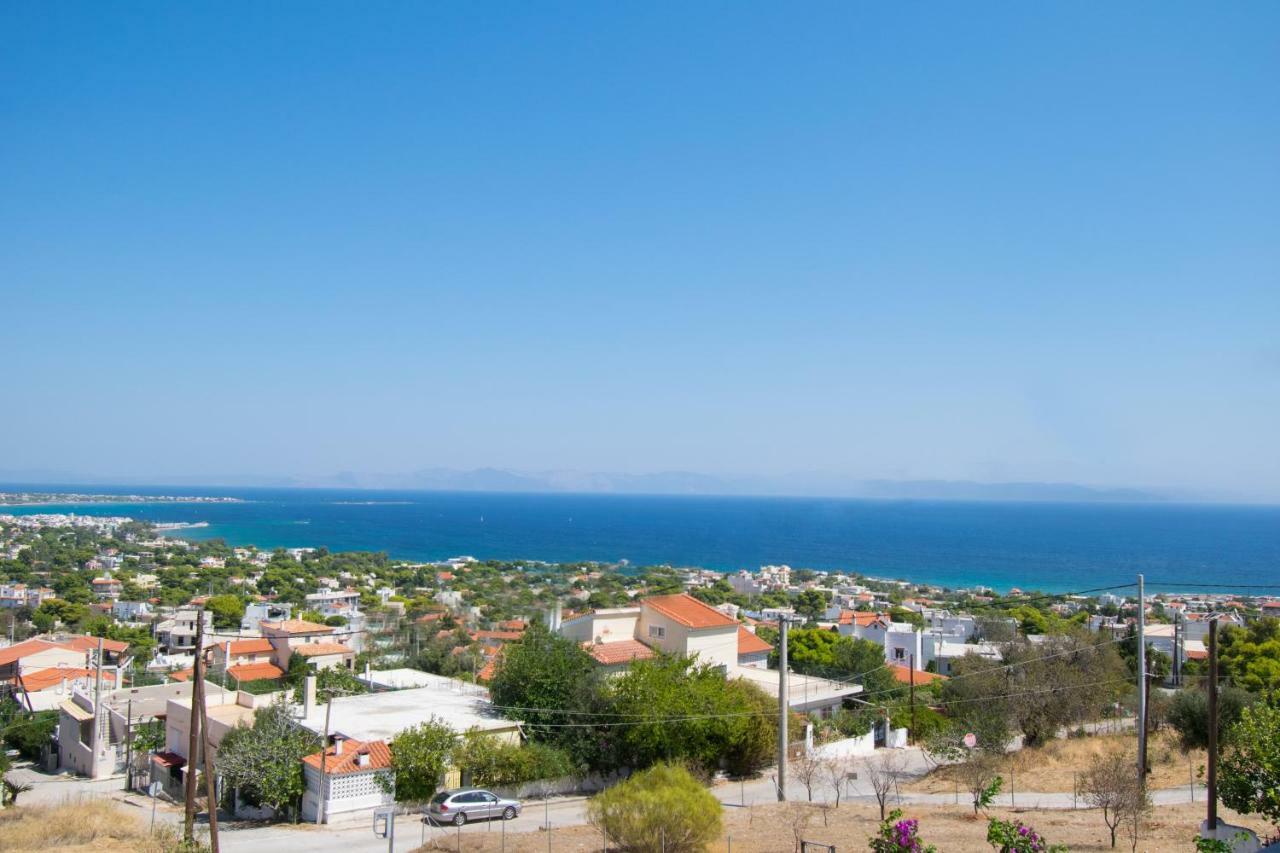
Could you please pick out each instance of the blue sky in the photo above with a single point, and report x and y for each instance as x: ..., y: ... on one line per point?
x: 997, y: 241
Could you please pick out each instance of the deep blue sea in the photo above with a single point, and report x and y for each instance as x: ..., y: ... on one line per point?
x: 1046, y: 546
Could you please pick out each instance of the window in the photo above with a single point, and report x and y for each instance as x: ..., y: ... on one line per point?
x: 899, y: 654
x: 657, y: 632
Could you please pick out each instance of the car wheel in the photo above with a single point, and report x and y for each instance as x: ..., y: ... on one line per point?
x: 460, y: 819
x: 509, y: 813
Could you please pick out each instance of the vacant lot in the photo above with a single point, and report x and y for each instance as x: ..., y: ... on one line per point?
x: 76, y: 827
x: 1052, y: 767
x: 768, y: 829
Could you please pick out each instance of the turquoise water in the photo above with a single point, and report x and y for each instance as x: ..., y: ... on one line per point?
x: 1047, y: 546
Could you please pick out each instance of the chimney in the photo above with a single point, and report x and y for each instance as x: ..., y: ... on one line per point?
x: 337, y: 746
x: 308, y: 695
x: 362, y: 760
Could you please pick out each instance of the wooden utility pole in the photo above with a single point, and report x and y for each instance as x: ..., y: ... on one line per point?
x: 96, y: 740
x: 783, y: 708
x: 324, y: 747
x: 1213, y: 722
x: 1142, y: 682
x: 913, y: 698
x: 210, y: 774
x: 193, y: 744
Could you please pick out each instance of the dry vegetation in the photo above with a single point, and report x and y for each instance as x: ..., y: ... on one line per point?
x: 1051, y: 767
x: 81, y: 827
x: 768, y: 829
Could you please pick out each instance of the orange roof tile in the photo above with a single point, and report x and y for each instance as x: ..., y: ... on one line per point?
x: 84, y: 644
x: 348, y: 762
x: 183, y: 674
x: 26, y: 647
x: 749, y: 643
x: 619, y: 651
x: 903, y: 674
x: 496, y: 635
x: 41, y: 679
x: 252, y: 646
x: 688, y: 611
x: 486, y: 672
x: 255, y: 671
x: 309, y: 649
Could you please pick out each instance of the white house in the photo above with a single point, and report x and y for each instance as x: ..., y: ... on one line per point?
x: 354, y: 779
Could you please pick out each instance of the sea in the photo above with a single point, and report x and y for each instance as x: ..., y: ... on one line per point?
x: 1052, y: 547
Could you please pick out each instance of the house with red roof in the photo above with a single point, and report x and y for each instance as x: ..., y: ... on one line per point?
x: 347, y: 777
x: 37, y: 654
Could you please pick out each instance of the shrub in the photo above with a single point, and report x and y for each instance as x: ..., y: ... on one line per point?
x: 31, y: 733
x: 1009, y: 836
x: 659, y: 809
x: 490, y: 762
x: 1189, y: 713
x: 898, y: 835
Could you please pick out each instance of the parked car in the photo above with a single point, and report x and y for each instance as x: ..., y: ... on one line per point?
x: 466, y: 804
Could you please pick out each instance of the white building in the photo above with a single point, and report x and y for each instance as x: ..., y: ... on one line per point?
x: 351, y: 777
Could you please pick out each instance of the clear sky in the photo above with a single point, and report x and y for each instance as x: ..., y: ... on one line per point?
x: 991, y: 241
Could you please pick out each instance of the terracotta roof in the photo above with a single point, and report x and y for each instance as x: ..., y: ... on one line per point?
x: 41, y: 679
x: 169, y: 759
x: 496, y: 635
x: 309, y: 649
x: 749, y: 643
x: 84, y: 644
x: 251, y: 646
x: 255, y: 671
x: 1196, y: 654
x: 486, y: 672
x: 183, y: 674
x: 858, y: 617
x: 26, y: 647
x: 619, y: 651
x: 513, y: 625
x: 688, y: 611
x: 348, y: 762
x: 298, y: 626
x: 903, y: 674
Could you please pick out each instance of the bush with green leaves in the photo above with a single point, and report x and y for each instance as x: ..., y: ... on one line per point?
x: 419, y: 756
x: 1189, y: 713
x: 30, y: 733
x: 1249, y: 771
x: 264, y: 760
x: 660, y: 810
x: 488, y: 761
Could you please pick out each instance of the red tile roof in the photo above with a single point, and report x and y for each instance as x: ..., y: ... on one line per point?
x: 862, y: 618
x: 486, y: 672
x: 309, y: 649
x: 26, y: 647
x: 688, y: 611
x: 169, y: 759
x: 749, y: 643
x: 619, y: 651
x: 183, y: 674
x: 42, y: 679
x: 496, y: 635
x: 297, y: 626
x: 255, y: 671
x: 1196, y: 654
x: 903, y: 674
x: 85, y: 644
x: 348, y: 762
x: 253, y: 646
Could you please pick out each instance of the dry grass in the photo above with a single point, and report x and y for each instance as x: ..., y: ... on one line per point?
x: 80, y: 827
x: 1052, y: 767
x: 767, y: 829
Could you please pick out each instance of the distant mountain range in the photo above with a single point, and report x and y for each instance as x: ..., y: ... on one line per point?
x: 667, y: 482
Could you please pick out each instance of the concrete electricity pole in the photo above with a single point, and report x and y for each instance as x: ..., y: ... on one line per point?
x: 1213, y: 723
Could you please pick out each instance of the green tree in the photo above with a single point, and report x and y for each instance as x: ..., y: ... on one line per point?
x: 812, y: 603
x: 419, y: 756
x: 1189, y: 713
x: 227, y: 610
x: 1250, y: 656
x: 265, y: 760
x: 1249, y: 772
x: 544, y: 675
x: 659, y: 810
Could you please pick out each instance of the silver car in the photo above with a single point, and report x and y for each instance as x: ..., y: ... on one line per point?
x: 466, y: 804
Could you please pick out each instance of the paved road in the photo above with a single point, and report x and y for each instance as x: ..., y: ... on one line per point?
x: 561, y: 812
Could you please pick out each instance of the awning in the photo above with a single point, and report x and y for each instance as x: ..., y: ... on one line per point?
x: 75, y: 711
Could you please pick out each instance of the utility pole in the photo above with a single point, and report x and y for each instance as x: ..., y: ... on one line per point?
x: 1177, y: 650
x: 1213, y: 722
x: 912, y: 733
x: 324, y: 750
x: 1142, y: 681
x: 193, y: 724
x: 783, y: 707
x: 210, y: 774
x: 97, y: 711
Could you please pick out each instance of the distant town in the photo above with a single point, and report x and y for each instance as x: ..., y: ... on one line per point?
x: 36, y: 498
